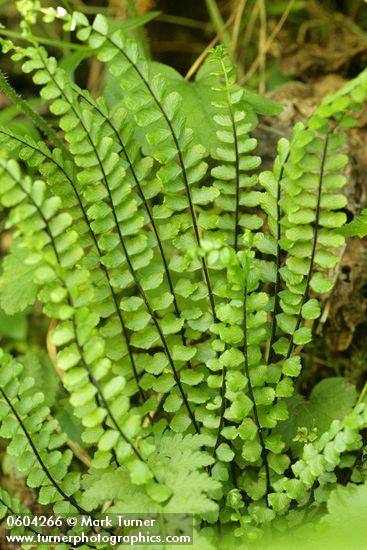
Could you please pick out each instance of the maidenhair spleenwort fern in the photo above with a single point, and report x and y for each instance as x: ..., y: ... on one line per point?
x: 181, y: 281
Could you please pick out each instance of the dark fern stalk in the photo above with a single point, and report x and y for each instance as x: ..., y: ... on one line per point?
x: 124, y: 248
x: 39, y: 458
x: 144, y: 201
x: 235, y: 143
x: 180, y: 159
x: 59, y: 166
x: 142, y: 395
x: 252, y: 397
x: 80, y: 349
x: 314, y: 243
x: 278, y: 266
x: 237, y: 155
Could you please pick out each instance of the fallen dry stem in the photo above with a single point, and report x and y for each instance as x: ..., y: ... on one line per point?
x: 199, y: 61
x: 237, y: 24
x: 269, y: 42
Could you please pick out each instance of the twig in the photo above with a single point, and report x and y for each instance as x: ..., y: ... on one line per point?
x: 270, y: 129
x: 198, y: 62
x: 362, y: 395
x: 44, y: 40
x: 237, y: 24
x: 319, y: 360
x: 262, y: 47
x: 95, y: 82
x: 150, y: 417
x: 269, y: 42
x: 250, y: 26
x: 80, y: 453
x: 51, y: 349
x: 217, y: 21
x: 306, y: 26
x: 183, y: 21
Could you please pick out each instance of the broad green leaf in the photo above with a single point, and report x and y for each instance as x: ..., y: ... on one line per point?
x: 357, y: 227
x: 17, y: 289
x: 330, y: 399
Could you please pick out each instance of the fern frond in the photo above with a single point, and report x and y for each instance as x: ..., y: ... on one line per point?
x: 117, y: 210
x: 24, y: 107
x: 66, y: 293
x: 234, y: 126
x: 61, y: 176
x: 39, y: 458
x: 151, y: 101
